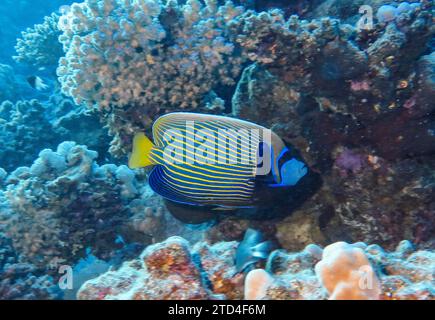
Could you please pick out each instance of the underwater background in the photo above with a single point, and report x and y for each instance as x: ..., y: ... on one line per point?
x: 348, y: 85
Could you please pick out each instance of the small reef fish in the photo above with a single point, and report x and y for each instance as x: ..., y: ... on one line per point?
x: 251, y: 250
x: 37, y: 83
x: 193, y: 183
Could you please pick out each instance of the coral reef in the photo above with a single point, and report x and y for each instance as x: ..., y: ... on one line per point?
x: 353, y: 102
x: 210, y: 272
x: 20, y: 280
x: 39, y: 46
x: 403, y: 274
x: 364, y: 78
x: 16, y: 16
x: 346, y: 273
x: 65, y: 203
x: 353, y: 98
x: 166, y: 57
x: 169, y: 270
x: 29, y: 126
x: 24, y: 130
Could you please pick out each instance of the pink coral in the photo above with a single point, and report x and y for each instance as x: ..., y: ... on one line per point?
x: 347, y: 274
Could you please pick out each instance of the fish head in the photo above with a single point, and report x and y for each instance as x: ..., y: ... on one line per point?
x: 292, y: 171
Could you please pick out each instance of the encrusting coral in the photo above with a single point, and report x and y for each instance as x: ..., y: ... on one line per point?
x: 167, y: 270
x: 133, y: 60
x: 376, y: 274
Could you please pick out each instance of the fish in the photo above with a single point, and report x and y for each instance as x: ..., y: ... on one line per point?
x: 251, y: 250
x: 224, y: 175
x: 37, y: 83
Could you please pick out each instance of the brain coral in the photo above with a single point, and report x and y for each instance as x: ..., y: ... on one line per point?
x: 138, y: 58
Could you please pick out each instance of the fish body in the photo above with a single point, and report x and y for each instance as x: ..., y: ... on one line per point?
x: 251, y: 250
x: 220, y: 170
x: 37, y: 83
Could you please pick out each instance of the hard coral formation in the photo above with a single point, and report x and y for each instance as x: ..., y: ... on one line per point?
x: 24, y: 130
x: 323, y: 61
x: 393, y: 273
x: 39, y: 46
x: 166, y: 271
x: 31, y: 125
x: 346, y: 273
x: 132, y: 60
x: 171, y: 270
x: 65, y: 202
x: 20, y: 280
x: 353, y: 102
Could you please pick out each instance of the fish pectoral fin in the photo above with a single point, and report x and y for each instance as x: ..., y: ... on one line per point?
x: 261, y: 250
x: 140, y: 155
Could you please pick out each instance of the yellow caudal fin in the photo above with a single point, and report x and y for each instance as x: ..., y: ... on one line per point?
x: 139, y: 157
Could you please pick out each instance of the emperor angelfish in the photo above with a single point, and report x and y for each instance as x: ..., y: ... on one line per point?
x: 214, y: 162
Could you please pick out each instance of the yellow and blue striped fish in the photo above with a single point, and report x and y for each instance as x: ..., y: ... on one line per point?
x: 218, y: 170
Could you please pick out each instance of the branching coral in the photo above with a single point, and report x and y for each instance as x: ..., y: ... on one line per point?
x: 135, y: 59
x: 39, y: 46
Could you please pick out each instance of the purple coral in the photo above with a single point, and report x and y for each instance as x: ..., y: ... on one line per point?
x: 349, y: 161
